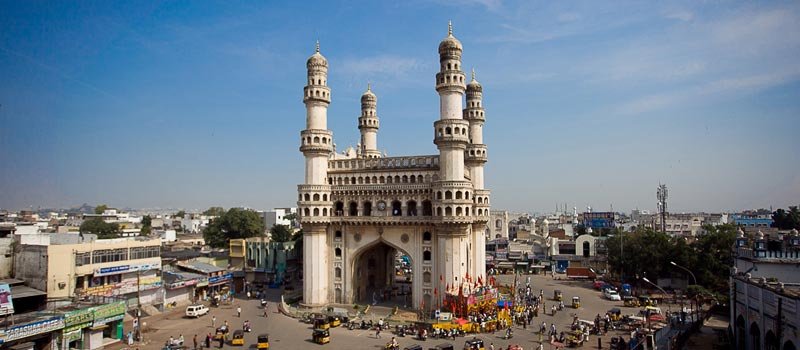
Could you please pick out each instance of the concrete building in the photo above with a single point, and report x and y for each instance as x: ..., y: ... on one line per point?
x: 358, y: 211
x: 277, y: 216
x: 72, y: 265
x: 264, y: 262
x: 498, y: 224
x: 765, y: 292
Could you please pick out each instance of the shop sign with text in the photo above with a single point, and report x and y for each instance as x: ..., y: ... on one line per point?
x: 115, y: 270
x: 31, y: 329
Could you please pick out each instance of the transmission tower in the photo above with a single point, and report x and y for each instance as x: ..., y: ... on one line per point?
x: 661, y: 195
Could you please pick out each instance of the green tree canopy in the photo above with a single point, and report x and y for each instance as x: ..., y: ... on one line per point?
x: 146, y: 225
x: 233, y: 224
x: 786, y: 220
x: 101, y: 228
x: 180, y: 214
x: 280, y: 233
x: 100, y: 209
x: 214, y: 211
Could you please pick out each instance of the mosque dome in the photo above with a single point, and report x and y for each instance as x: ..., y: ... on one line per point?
x: 450, y: 42
x: 474, y: 85
x: 368, y: 95
x: 317, y: 59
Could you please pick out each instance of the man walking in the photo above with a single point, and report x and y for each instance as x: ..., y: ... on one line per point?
x: 239, y: 311
x: 213, y: 321
x: 194, y: 342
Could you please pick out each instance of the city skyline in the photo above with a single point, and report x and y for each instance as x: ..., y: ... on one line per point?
x: 195, y: 105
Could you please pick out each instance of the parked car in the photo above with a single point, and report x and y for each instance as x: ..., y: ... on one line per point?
x: 196, y: 310
x: 598, y: 284
x: 612, y: 294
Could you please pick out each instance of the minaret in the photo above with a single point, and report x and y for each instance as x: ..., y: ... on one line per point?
x: 455, y: 248
x: 317, y: 145
x: 474, y: 159
x: 368, y: 124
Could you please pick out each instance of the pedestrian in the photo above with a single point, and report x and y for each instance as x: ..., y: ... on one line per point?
x: 238, y: 311
x: 491, y: 346
x: 266, y: 313
x: 208, y: 341
x: 130, y: 338
x: 213, y: 321
x: 221, y: 342
x: 378, y: 332
x: 194, y: 342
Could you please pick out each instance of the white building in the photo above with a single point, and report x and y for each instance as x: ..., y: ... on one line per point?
x: 765, y: 292
x: 277, y: 216
x: 357, y: 211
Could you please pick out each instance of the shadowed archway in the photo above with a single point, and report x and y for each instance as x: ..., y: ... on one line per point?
x: 382, y: 274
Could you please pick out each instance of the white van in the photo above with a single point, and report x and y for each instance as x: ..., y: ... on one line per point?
x: 196, y: 310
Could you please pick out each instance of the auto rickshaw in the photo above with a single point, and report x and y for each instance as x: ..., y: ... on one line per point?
x: 263, y: 341
x: 557, y: 295
x: 630, y: 301
x: 238, y: 337
x: 221, y: 333
x: 321, y: 323
x: 474, y: 344
x: 615, y: 314
x: 576, y: 302
x: 334, y: 321
x: 321, y: 336
x: 644, y: 300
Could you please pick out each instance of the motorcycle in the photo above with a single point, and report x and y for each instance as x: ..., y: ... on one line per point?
x: 390, y: 346
x: 263, y: 303
x: 352, y: 325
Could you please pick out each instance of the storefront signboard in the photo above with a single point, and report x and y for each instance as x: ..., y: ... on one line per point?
x: 115, y: 270
x: 109, y: 313
x: 31, y: 329
x: 186, y: 283
x: 6, y: 304
x: 73, y: 335
x: 216, y: 280
x: 80, y: 318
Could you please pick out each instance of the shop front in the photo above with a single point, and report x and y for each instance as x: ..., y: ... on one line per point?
x: 106, y: 324
x: 74, y: 324
x: 34, y: 335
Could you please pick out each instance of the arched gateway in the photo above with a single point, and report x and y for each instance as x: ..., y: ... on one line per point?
x: 395, y: 229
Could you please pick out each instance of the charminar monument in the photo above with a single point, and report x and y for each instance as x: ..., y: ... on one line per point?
x: 359, y: 209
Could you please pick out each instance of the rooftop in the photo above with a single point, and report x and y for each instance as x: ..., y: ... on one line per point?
x: 201, y: 267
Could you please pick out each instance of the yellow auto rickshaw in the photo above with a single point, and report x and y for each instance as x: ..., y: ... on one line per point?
x: 321, y: 336
x: 557, y: 295
x: 334, y: 321
x: 263, y: 341
x: 221, y: 333
x: 576, y: 302
x: 644, y: 300
x: 615, y: 314
x: 321, y: 323
x: 474, y: 344
x: 630, y: 301
x: 238, y: 337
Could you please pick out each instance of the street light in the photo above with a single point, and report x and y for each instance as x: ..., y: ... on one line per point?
x: 687, y: 270
x: 669, y: 308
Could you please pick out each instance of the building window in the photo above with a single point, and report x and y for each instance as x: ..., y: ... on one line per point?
x: 145, y: 252
x: 396, y: 208
x: 83, y: 259
x: 337, y: 236
x: 426, y: 277
x: 338, y: 272
x: 426, y: 255
x: 338, y: 252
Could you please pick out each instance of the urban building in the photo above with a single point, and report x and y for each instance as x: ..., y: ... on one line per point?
x: 263, y: 262
x: 498, y: 224
x: 752, y: 219
x: 277, y: 216
x: 66, y: 266
x: 765, y: 291
x: 358, y: 209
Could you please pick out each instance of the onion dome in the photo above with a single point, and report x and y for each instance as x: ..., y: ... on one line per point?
x: 368, y: 96
x: 450, y: 42
x: 317, y: 59
x: 474, y: 85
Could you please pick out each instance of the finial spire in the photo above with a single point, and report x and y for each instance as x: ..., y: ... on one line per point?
x: 449, y: 28
x: 473, y: 73
x: 369, y: 86
x: 317, y: 45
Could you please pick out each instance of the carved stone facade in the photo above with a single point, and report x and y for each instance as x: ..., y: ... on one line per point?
x: 358, y: 210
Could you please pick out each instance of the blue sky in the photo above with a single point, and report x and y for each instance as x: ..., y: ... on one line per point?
x: 198, y: 103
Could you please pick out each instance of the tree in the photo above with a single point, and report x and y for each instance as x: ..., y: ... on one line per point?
x: 180, y: 214
x: 146, y: 225
x: 100, y: 209
x: 786, y: 220
x: 233, y: 224
x: 101, y: 228
x: 280, y: 233
x: 214, y: 211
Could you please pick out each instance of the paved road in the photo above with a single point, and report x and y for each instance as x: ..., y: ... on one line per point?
x: 288, y: 333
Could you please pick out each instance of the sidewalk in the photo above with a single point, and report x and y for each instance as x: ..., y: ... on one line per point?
x: 709, y: 334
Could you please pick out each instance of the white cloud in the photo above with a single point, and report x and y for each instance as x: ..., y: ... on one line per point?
x: 568, y: 17
x: 681, y: 15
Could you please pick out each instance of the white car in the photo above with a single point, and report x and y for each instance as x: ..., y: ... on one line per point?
x: 612, y: 295
x: 196, y: 310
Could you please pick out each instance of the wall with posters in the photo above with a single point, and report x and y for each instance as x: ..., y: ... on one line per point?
x: 6, y: 303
